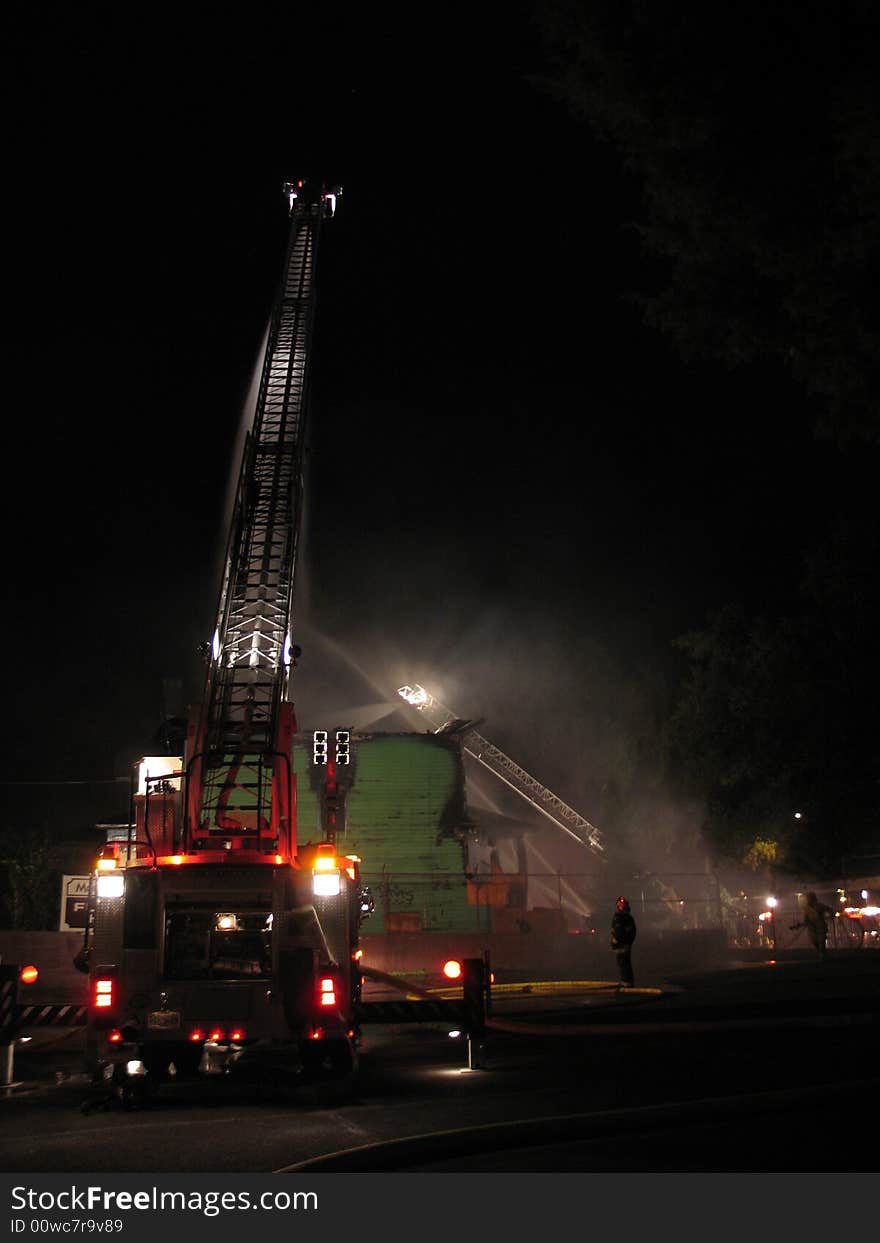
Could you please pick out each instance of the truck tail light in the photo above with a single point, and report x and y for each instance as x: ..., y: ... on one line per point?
x: 328, y: 991
x: 114, y: 1036
x: 236, y: 1035
x: 196, y: 1035
x: 216, y: 1035
x: 103, y: 994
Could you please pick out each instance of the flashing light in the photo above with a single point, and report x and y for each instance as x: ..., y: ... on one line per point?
x: 103, y: 994
x: 415, y: 695
x: 196, y: 1036
x: 236, y: 1034
x: 175, y: 860
x: 325, y: 884
x: 106, y: 865
x: 279, y: 859
x: 325, y: 873
x: 111, y: 886
x: 452, y: 969
x: 159, y: 774
x: 29, y: 974
x: 115, y: 1036
x: 216, y: 1034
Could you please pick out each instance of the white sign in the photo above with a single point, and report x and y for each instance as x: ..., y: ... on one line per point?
x: 74, y: 903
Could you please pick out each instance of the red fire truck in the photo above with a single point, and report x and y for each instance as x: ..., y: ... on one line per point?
x: 219, y: 943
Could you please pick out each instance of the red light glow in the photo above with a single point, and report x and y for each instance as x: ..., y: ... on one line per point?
x: 452, y: 969
x: 115, y: 1036
x: 236, y: 1034
x: 103, y: 994
x: 29, y: 974
x: 196, y: 1036
x: 216, y: 1035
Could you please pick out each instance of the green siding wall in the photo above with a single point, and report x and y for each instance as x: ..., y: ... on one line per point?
x: 406, y: 819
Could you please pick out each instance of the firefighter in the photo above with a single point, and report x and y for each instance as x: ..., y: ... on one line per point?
x: 814, y: 922
x: 623, y: 933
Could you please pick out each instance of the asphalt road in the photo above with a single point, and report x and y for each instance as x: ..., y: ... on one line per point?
x: 770, y: 1067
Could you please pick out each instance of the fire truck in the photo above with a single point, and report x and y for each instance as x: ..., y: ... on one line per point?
x: 217, y: 941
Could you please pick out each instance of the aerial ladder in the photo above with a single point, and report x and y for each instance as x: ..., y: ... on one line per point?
x: 239, y: 787
x: 442, y: 721
x: 217, y: 941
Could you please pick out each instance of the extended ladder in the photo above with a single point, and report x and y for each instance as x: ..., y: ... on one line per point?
x: 503, y: 767
x: 243, y: 737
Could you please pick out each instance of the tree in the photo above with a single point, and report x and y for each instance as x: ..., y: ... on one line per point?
x: 775, y: 717
x: 753, y: 132
x: 31, y: 879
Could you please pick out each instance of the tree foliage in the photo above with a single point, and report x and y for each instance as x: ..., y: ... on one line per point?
x: 30, y: 880
x: 777, y: 717
x: 754, y: 134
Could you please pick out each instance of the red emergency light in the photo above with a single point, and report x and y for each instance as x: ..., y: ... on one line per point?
x: 103, y: 994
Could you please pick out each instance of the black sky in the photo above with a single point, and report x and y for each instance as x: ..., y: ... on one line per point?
x: 515, y: 487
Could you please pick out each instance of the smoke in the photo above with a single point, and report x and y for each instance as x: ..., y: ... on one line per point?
x: 540, y: 686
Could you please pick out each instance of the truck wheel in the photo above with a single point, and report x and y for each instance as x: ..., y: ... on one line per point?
x: 329, y: 1070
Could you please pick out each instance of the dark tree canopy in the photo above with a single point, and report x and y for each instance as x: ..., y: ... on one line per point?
x: 754, y: 133
x: 777, y: 717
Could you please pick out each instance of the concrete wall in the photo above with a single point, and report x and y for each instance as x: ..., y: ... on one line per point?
x: 513, y: 955
x: 52, y: 954
x: 561, y: 956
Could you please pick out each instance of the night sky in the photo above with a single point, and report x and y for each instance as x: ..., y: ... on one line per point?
x: 518, y: 493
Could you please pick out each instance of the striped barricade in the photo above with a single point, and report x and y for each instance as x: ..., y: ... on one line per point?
x: 51, y: 1016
